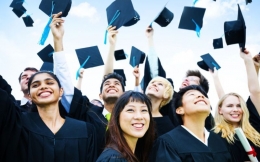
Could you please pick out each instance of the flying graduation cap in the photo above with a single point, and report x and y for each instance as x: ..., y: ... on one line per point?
x: 164, y: 17
x: 248, y: 1
x: 120, y: 55
x: 122, y: 73
x: 121, y: 13
x: 217, y: 43
x: 19, y: 11
x: 28, y: 21
x: 50, y: 7
x: 137, y: 57
x: 16, y: 4
x: 46, y: 54
x: 208, y: 62
x: 88, y: 57
x: 235, y: 31
x: 47, y: 66
x: 192, y: 19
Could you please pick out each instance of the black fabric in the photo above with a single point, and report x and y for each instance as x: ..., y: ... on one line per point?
x: 26, y: 138
x: 82, y: 109
x: 179, y: 145
x: 111, y: 155
x: 163, y: 125
x: 24, y: 108
x: 254, y: 117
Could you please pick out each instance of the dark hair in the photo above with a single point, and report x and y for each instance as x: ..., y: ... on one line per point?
x: 203, y: 81
x: 115, y: 138
x: 27, y: 69
x: 41, y: 72
x: 178, y: 99
x: 115, y: 76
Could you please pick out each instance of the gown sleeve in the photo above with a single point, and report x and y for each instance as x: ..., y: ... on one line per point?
x: 110, y: 155
x: 162, y: 151
x: 254, y: 117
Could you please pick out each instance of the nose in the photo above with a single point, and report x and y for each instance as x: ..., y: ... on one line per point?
x: 200, y: 96
x: 138, y: 115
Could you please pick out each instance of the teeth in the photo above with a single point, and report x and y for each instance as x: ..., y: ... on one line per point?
x: 201, y: 102
x: 235, y: 115
x: 44, y: 94
x: 138, y: 125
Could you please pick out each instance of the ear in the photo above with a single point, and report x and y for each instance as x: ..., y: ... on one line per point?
x: 30, y: 98
x: 180, y: 111
x: 220, y: 111
x: 100, y: 96
x: 166, y: 95
x: 61, y: 92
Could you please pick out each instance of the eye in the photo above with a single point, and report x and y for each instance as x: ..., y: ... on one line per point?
x: 144, y: 110
x: 50, y: 83
x: 117, y: 83
x: 130, y: 110
x: 160, y: 84
x: 238, y: 105
x: 34, y: 85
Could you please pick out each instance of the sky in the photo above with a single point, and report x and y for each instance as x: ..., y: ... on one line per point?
x: 179, y: 50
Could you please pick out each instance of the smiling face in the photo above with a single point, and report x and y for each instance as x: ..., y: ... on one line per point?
x: 155, y: 88
x: 25, y: 76
x: 112, y: 89
x: 190, y: 80
x: 193, y: 103
x: 45, y: 90
x: 231, y: 110
x: 134, y: 120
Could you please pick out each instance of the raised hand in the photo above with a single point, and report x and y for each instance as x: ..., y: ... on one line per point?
x: 136, y: 72
x: 245, y: 54
x: 112, y: 35
x: 149, y: 32
x: 57, y: 26
x: 81, y: 73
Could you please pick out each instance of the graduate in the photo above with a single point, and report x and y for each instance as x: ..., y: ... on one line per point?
x: 42, y: 135
x: 233, y: 112
x: 130, y: 131
x: 190, y: 141
x: 76, y: 104
x: 160, y: 92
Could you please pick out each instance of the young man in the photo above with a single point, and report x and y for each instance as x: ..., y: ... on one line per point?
x: 25, y: 104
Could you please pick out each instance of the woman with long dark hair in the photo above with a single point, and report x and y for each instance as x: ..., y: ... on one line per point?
x: 43, y: 135
x: 130, y: 130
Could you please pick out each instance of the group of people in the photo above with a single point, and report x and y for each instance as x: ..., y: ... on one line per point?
x: 55, y: 122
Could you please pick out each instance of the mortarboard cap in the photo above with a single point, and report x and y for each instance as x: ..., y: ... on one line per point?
x: 122, y: 73
x: 89, y: 57
x: 120, y: 55
x: 121, y: 13
x: 235, y: 31
x: 164, y: 17
x: 16, y: 4
x: 248, y: 1
x: 59, y: 6
x: 192, y: 18
x: 208, y: 62
x: 19, y: 11
x: 217, y: 43
x: 28, y: 21
x: 47, y: 66
x: 46, y: 54
x: 137, y: 57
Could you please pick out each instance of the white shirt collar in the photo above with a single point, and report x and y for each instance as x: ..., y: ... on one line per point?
x: 24, y: 101
x: 205, y: 132
x: 105, y: 112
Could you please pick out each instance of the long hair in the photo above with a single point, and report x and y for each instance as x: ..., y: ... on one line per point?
x: 115, y: 138
x: 227, y: 130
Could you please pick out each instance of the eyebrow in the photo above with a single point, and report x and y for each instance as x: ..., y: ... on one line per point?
x: 44, y: 80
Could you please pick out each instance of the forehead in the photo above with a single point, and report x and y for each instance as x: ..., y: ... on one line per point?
x: 112, y: 80
x: 193, y: 77
x: 42, y: 76
x: 231, y: 99
x: 194, y: 91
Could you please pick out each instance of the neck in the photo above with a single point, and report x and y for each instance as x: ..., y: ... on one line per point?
x: 51, y: 116
x: 131, y: 143
x: 196, y: 125
x: 109, y: 107
x: 156, y: 107
x: 26, y: 95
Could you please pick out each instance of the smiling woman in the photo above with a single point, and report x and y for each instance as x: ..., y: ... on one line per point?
x: 130, y: 131
x: 42, y: 135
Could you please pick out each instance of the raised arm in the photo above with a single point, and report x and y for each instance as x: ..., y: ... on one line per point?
x: 152, y: 56
x: 61, y: 68
x: 256, y: 60
x: 217, y: 83
x: 79, y: 83
x: 136, y: 74
x: 252, y: 79
x: 109, y: 64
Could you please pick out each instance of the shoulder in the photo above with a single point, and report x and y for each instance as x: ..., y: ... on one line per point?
x: 110, y: 155
x: 79, y: 127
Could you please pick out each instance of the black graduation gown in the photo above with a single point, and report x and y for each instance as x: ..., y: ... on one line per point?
x: 236, y: 149
x: 111, y: 155
x: 163, y: 125
x: 179, y: 145
x: 24, y: 108
x: 25, y: 137
x: 82, y: 109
